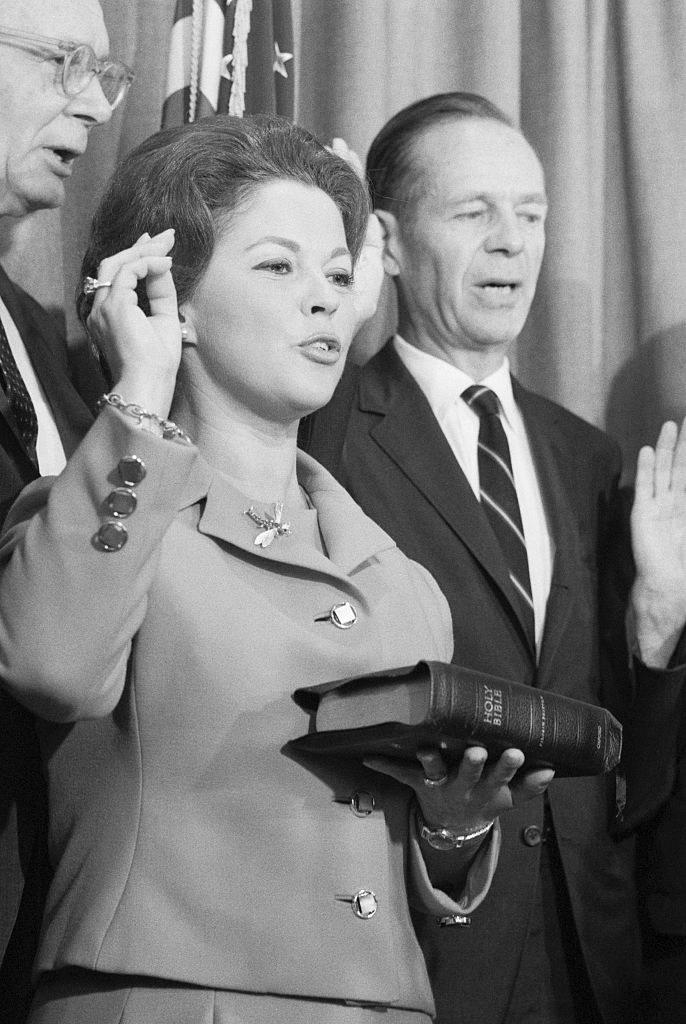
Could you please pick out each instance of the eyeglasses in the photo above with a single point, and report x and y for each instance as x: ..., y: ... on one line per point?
x: 79, y: 65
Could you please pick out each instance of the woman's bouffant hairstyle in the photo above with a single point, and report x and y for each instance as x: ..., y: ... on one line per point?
x: 193, y: 177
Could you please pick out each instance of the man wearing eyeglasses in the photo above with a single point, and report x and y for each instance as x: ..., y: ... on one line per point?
x: 57, y: 82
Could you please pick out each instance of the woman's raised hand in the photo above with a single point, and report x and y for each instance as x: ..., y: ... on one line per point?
x: 142, y: 352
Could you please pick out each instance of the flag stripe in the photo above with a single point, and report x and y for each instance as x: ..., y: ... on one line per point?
x: 212, y: 53
x: 179, y: 66
x: 200, y: 81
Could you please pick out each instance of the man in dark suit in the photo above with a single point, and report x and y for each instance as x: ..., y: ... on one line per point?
x: 654, y: 752
x: 655, y: 761
x: 51, y: 94
x: 508, y: 500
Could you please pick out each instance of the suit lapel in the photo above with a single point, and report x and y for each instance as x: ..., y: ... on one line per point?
x: 425, y: 457
x: 9, y: 298
x: 555, y: 471
x: 38, y: 332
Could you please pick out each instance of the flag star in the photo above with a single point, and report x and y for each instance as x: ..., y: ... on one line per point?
x: 280, y: 61
x: 225, y: 69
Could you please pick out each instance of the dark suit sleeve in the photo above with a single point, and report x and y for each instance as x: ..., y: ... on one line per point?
x: 655, y: 764
x: 615, y: 576
x: 654, y: 744
x: 652, y: 707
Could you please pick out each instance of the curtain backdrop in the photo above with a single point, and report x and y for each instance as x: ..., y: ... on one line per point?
x: 598, y: 86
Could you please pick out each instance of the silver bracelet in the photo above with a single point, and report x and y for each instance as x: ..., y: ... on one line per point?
x: 169, y: 429
x: 447, y: 838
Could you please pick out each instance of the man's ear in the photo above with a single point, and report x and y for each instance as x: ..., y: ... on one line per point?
x: 391, y: 242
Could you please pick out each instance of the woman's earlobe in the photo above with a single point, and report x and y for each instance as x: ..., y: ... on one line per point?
x: 187, y: 332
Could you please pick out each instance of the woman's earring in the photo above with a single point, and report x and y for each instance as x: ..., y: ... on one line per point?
x: 184, y: 333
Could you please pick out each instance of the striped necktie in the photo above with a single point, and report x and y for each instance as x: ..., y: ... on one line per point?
x: 499, y: 497
x: 18, y: 397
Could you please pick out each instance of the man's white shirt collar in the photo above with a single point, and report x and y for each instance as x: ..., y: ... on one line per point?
x: 443, y: 383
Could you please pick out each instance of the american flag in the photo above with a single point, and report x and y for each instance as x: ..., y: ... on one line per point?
x: 229, y: 56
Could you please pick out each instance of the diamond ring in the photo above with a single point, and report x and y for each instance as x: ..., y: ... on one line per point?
x: 91, y: 284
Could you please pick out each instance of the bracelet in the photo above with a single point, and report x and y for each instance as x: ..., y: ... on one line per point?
x: 446, y: 838
x: 169, y: 429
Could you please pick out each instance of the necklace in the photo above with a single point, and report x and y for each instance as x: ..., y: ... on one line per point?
x: 271, y: 526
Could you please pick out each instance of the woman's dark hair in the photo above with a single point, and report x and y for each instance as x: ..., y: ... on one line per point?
x: 391, y: 168
x: 190, y: 178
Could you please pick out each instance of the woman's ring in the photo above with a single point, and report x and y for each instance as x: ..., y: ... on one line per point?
x: 440, y: 781
x: 91, y: 284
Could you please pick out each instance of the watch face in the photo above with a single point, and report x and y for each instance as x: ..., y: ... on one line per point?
x: 440, y: 838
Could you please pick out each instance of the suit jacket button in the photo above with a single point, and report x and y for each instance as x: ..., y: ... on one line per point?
x: 343, y: 615
x: 532, y: 835
x: 362, y: 803
x: 364, y: 904
x: 121, y: 502
x: 131, y: 470
x: 111, y: 537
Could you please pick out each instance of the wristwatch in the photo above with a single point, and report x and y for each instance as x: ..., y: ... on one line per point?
x: 446, y: 838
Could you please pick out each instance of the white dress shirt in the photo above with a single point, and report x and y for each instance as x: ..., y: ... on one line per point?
x: 443, y: 384
x: 49, y: 450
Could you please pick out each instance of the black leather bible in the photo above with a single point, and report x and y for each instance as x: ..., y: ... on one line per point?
x: 432, y: 704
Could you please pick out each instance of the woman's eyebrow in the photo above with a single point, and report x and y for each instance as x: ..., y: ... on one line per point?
x: 288, y: 243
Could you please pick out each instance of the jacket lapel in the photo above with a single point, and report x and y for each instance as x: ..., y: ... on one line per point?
x: 10, y: 300
x: 425, y: 457
x: 41, y: 335
x: 349, y: 537
x: 555, y: 472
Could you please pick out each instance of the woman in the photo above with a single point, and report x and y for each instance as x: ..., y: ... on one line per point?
x: 176, y: 592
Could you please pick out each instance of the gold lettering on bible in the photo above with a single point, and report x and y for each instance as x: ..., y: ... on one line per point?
x: 493, y: 705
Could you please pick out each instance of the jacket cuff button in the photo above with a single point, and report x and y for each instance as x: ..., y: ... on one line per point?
x: 111, y: 537
x: 121, y: 502
x: 131, y: 470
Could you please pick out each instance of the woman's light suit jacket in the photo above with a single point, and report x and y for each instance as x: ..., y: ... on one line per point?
x: 188, y: 843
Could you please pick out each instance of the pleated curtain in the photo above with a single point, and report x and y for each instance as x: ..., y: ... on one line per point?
x: 599, y: 88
